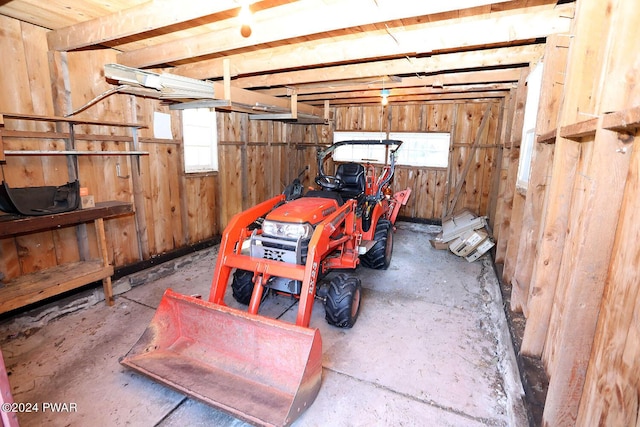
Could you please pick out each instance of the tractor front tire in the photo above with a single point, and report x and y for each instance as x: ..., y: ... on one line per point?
x: 242, y: 286
x: 342, y: 303
x: 379, y: 256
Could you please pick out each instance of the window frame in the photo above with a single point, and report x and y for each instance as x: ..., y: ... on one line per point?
x: 201, y: 125
x: 409, y: 138
x: 527, y: 143
x: 406, y: 146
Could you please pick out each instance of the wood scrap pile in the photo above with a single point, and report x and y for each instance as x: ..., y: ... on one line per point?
x: 464, y: 234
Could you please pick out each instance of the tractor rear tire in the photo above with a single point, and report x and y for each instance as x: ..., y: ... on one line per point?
x: 242, y: 286
x: 379, y: 256
x: 342, y: 304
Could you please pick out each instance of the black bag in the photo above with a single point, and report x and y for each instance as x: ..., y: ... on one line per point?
x: 38, y: 201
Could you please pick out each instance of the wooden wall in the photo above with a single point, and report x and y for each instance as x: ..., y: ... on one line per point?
x: 257, y: 158
x: 172, y: 209
x: 468, y: 182
x: 569, y: 244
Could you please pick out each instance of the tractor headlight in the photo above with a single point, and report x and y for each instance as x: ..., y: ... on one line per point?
x: 286, y: 230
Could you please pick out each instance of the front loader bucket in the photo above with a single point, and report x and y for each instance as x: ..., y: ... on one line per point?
x: 263, y: 371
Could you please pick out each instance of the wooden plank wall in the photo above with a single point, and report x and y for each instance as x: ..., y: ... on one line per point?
x: 433, y: 187
x: 259, y: 158
x: 175, y: 209
x: 572, y: 248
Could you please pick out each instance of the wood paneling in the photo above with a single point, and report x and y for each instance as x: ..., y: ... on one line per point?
x: 77, y: 78
x: 429, y: 185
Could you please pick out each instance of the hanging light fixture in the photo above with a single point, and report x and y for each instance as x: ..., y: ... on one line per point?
x: 245, y: 18
x: 384, y: 93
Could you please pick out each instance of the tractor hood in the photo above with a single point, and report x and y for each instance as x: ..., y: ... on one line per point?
x: 310, y: 210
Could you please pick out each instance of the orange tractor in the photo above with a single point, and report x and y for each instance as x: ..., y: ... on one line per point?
x: 262, y: 370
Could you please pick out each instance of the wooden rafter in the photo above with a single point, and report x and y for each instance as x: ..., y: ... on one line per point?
x: 507, y: 75
x: 507, y: 26
x: 289, y: 21
x: 412, y: 91
x: 505, y: 56
x: 144, y: 17
x: 497, y: 94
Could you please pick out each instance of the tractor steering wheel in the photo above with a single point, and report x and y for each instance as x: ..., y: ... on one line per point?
x: 329, y: 182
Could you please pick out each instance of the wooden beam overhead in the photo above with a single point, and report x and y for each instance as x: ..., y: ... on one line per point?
x: 504, y: 56
x: 289, y: 21
x: 506, y: 27
x: 142, y: 18
x: 496, y: 94
x: 469, y: 90
x: 507, y: 75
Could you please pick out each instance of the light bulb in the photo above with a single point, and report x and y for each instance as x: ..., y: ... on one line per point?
x: 385, y: 95
x: 245, y: 20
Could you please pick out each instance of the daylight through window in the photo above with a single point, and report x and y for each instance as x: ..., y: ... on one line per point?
x: 425, y: 149
x: 200, y: 140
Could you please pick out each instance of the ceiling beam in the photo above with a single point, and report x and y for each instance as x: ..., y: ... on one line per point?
x: 135, y: 20
x: 503, y: 56
x: 508, y: 26
x: 427, y: 97
x: 469, y: 90
x: 289, y: 21
x: 436, y: 80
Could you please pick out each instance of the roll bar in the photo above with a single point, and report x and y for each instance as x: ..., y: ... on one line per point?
x: 324, y: 153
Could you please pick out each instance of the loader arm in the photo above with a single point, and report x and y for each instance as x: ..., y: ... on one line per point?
x: 231, y: 244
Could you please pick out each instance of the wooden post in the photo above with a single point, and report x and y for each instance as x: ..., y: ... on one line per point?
x: 102, y: 246
x: 138, y: 199
x: 2, y: 159
x: 610, y: 395
x: 61, y: 92
x: 226, y: 70
x: 294, y: 105
x: 495, y: 177
x: 511, y: 155
x: 453, y: 136
x: 555, y: 60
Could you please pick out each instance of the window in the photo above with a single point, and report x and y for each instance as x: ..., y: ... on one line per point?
x: 200, y: 137
x: 359, y: 153
x: 425, y: 149
x: 534, y: 86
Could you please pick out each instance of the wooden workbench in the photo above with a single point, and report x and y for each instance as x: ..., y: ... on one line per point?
x: 36, y: 286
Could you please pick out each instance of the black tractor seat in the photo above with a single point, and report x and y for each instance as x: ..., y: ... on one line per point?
x: 352, y: 176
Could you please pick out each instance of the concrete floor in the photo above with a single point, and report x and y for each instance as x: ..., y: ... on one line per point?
x: 430, y: 347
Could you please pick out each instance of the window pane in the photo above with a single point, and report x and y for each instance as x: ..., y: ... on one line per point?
x: 426, y: 149
x: 359, y: 153
x: 200, y: 140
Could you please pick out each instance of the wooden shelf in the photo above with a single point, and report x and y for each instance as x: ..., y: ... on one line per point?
x: 53, y: 281
x: 579, y: 130
x: 13, y: 225
x: 73, y: 153
x: 17, y: 116
x: 626, y: 121
x: 547, y: 137
x: 39, y: 285
x: 622, y: 121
